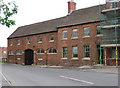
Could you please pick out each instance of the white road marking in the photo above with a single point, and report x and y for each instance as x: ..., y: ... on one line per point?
x: 74, y: 79
x: 6, y: 79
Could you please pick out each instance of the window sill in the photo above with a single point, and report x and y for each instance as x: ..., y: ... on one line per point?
x: 51, y: 41
x: 74, y: 58
x: 39, y: 42
x: 40, y: 53
x: 18, y: 54
x: 11, y: 54
x: 64, y: 58
x: 74, y: 38
x: 28, y: 43
x: 18, y: 44
x: 99, y: 35
x: 40, y: 59
x: 85, y: 36
x: 51, y: 53
x: 64, y: 39
x: 86, y: 58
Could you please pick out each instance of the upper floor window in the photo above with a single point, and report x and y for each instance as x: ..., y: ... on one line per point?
x: 75, y: 51
x: 86, y: 51
x: 11, y: 52
x: 18, y: 42
x: 86, y: 31
x: 11, y: 42
x: 40, y: 51
x: 19, y: 52
x: 51, y: 37
x: 113, y: 4
x: 64, y: 34
x: 40, y: 39
x: 52, y: 50
x: 98, y: 30
x: 75, y: 33
x: 28, y: 40
x: 64, y: 51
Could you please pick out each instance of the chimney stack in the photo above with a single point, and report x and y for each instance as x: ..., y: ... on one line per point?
x: 71, y: 6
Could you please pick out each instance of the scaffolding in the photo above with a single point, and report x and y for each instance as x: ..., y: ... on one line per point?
x: 110, y: 27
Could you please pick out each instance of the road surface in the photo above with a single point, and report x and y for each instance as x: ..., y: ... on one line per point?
x: 35, y: 76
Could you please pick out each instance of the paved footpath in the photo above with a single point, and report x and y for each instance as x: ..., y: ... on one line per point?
x: 104, y: 69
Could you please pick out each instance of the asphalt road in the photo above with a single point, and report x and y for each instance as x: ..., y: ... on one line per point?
x: 35, y: 76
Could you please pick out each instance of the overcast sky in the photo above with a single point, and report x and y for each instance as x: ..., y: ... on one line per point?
x: 33, y: 11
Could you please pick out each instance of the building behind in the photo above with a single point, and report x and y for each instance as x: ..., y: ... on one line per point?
x: 110, y: 24
x: 3, y: 53
x: 72, y: 40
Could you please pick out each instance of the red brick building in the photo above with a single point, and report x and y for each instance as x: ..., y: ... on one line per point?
x: 72, y: 40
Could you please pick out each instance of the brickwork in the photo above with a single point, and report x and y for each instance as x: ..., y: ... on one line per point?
x: 92, y: 41
x: 34, y: 45
x: 56, y: 59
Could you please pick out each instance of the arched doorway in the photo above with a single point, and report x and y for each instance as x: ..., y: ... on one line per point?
x: 29, y: 57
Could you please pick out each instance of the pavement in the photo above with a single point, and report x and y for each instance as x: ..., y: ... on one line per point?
x: 96, y: 68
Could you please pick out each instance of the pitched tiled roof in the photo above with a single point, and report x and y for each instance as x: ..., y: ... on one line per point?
x: 80, y: 16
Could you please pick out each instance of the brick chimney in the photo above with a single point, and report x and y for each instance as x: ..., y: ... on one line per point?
x: 71, y: 6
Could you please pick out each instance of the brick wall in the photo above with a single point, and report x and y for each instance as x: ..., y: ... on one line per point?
x: 92, y: 41
x: 34, y: 45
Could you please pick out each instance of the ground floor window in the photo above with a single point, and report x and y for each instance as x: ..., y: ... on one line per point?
x: 86, y: 51
x: 64, y: 52
x: 11, y: 52
x: 113, y: 53
x: 19, y: 52
x: 51, y: 50
x: 40, y: 51
x: 75, y: 51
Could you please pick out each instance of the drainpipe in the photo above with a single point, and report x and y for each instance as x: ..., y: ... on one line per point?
x: 46, y: 58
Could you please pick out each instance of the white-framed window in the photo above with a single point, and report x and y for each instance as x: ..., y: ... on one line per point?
x: 40, y: 51
x: 86, y: 51
x: 18, y: 42
x: 75, y: 33
x: 11, y: 52
x: 11, y: 43
x: 19, y: 52
x: 98, y: 28
x: 40, y: 39
x: 86, y: 31
x: 64, y: 51
x: 113, y: 4
x: 28, y: 40
x: 64, y: 34
x: 75, y: 51
x: 52, y: 37
x: 51, y: 50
